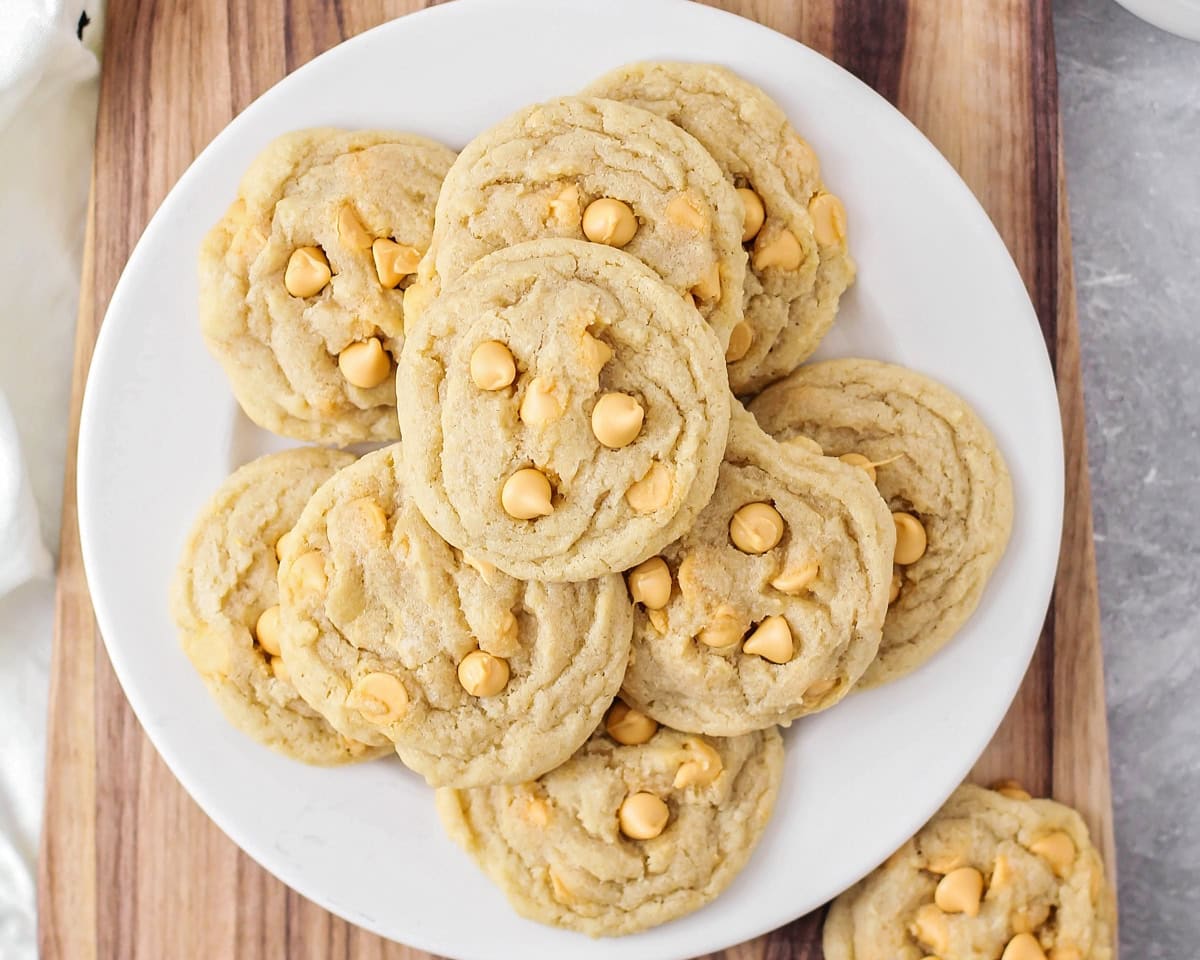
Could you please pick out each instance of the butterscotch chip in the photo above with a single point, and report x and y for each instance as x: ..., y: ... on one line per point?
x: 799, y: 264
x: 650, y: 583
x: 472, y: 676
x: 393, y: 261
x: 365, y: 364
x: 609, y: 221
x: 628, y: 726
x: 950, y: 478
x: 796, y: 578
x: 675, y: 817
x: 289, y: 278
x: 621, y: 405
x: 756, y: 528
x: 492, y: 366
x: 564, y: 208
x: 225, y: 600
x: 739, y: 342
x: 307, y: 272
x: 956, y: 916
x: 771, y: 640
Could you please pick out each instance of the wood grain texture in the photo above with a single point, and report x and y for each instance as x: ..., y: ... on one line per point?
x: 130, y: 868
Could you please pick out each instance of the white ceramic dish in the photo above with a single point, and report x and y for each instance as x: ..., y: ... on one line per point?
x: 1180, y: 17
x: 936, y: 291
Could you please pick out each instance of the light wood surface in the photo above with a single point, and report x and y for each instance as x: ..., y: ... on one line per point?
x: 130, y: 868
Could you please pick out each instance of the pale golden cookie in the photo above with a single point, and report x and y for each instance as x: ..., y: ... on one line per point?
x: 777, y: 593
x: 223, y: 595
x: 794, y: 230
x: 934, y: 461
x: 301, y: 282
x: 592, y: 169
x: 564, y: 412
x: 989, y: 876
x: 623, y: 837
x: 397, y: 637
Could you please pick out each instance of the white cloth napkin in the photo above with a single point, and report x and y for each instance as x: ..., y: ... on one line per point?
x: 48, y: 85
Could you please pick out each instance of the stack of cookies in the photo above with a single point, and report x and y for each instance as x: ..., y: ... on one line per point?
x: 620, y: 533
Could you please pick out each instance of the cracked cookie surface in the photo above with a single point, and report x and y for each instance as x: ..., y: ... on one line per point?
x: 224, y: 584
x: 990, y: 874
x: 558, y: 849
x: 301, y: 281
x: 795, y: 230
x: 397, y: 637
x: 538, y: 173
x: 937, y: 462
x: 563, y: 411
x: 773, y: 600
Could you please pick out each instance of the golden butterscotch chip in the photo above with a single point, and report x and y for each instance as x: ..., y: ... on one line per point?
x: 1001, y: 899
x: 380, y: 697
x: 537, y: 812
x: 365, y: 364
x: 894, y: 587
x: 541, y: 405
x: 700, y: 768
x: 266, y: 630
x: 308, y: 573
x: 807, y: 444
x: 673, y: 818
x: 688, y: 212
x: 797, y: 578
x: 756, y: 528
x: 394, y: 261
x: 280, y: 671
x: 526, y: 495
x: 617, y: 419
x: 740, y: 340
x: 609, y: 221
x: 351, y: 231
x: 829, y: 219
x: 643, y: 816
x: 910, y: 538
x: 483, y: 675
x: 628, y: 726
x: 492, y: 366
x: 652, y: 492
x: 819, y: 689
x: 1011, y: 789
x: 771, y: 640
x: 596, y: 353
x: 725, y: 629
x: 650, y: 583
x: 753, y: 213
x: 372, y: 516
x: 564, y: 208
x: 658, y: 620
x: 307, y: 272
x: 777, y: 250
x: 960, y: 891
x: 708, y: 285
x: 858, y: 460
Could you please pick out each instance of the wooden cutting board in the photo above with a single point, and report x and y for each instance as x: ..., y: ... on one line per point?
x: 130, y: 868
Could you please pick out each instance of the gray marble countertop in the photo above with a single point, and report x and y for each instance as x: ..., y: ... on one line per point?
x: 1130, y: 99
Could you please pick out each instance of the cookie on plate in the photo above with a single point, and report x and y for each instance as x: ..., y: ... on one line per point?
x: 936, y: 465
x: 564, y: 411
x: 398, y: 638
x: 301, y: 282
x: 225, y: 602
x: 794, y: 229
x: 771, y: 605
x: 630, y: 832
x: 993, y: 874
x: 593, y: 169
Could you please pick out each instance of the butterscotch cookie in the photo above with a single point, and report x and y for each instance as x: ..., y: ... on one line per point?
x: 301, y: 282
x: 563, y: 411
x: 991, y: 875
x: 225, y: 602
x: 771, y: 605
x: 940, y: 471
x: 592, y: 169
x: 630, y: 832
x: 396, y: 637
x: 794, y: 229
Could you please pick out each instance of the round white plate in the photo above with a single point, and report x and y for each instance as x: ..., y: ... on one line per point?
x: 936, y: 291
x: 1180, y: 17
